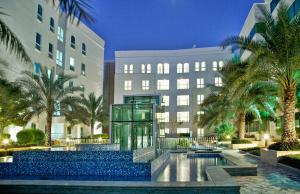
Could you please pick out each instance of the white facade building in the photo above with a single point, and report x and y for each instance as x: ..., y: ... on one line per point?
x: 53, y: 41
x: 180, y: 77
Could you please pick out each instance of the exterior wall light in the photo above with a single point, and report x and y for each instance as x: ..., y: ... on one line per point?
x: 5, y: 141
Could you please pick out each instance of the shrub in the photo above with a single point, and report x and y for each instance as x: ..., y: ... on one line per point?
x: 254, y: 151
x: 240, y: 141
x: 285, y: 146
x: 224, y: 130
x: 31, y: 136
x: 249, y: 136
x: 102, y: 136
x: 5, y: 136
x: 291, y: 160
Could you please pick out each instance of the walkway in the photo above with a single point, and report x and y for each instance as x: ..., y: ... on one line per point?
x: 270, y: 180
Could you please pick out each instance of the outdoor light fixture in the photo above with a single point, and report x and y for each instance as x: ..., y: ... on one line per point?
x: 68, y: 140
x: 227, y: 136
x: 266, y: 138
x: 5, y: 141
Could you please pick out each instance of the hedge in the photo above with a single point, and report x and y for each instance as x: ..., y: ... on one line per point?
x: 240, y: 141
x: 102, y: 136
x: 31, y: 136
x: 285, y: 146
x: 291, y: 160
x: 254, y: 151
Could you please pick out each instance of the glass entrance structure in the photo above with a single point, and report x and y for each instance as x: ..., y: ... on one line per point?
x: 133, y: 125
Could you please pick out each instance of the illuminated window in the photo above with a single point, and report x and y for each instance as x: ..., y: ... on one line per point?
x: 200, y: 98
x: 200, y: 83
x: 215, y: 66
x: 218, y: 82
x: 183, y: 100
x: 125, y: 68
x: 37, y: 69
x: 186, y: 68
x: 162, y: 117
x: 145, y: 85
x: 183, y: 130
x: 127, y: 85
x: 221, y: 65
x: 203, y: 66
x: 163, y: 68
x: 182, y: 68
x: 199, y: 113
x: 148, y: 68
x: 182, y: 84
x: 165, y: 101
x: 60, y: 34
x: 183, y: 116
x: 72, y: 63
x: 143, y: 68
x: 131, y: 69
x: 200, y: 132
x: 197, y: 66
x: 164, y: 131
x: 59, y: 58
x: 179, y: 68
x: 162, y: 84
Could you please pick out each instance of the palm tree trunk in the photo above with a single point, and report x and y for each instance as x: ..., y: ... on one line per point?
x: 92, y: 129
x: 289, y: 132
x: 48, y: 129
x: 242, y: 125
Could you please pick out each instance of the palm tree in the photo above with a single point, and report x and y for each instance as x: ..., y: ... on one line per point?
x: 47, y: 94
x: 73, y: 9
x: 91, y: 110
x: 277, y: 56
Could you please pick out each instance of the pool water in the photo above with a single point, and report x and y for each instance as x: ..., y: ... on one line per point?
x: 189, y: 169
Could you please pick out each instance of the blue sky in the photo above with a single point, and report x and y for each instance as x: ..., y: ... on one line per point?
x: 167, y: 24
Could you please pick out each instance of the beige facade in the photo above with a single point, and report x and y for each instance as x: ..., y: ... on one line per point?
x: 25, y: 21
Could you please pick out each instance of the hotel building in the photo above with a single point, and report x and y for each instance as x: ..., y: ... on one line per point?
x: 51, y: 40
x: 181, y: 78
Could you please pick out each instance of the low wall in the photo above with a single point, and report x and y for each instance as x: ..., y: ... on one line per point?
x: 97, y: 147
x: 243, y: 146
x: 272, y: 156
x: 159, y: 163
x: 75, y: 165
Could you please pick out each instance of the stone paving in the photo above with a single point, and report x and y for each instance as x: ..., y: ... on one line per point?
x: 270, y: 180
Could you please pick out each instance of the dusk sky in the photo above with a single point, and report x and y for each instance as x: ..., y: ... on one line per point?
x: 167, y: 24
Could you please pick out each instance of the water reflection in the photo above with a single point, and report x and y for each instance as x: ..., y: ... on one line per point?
x: 6, y: 159
x: 183, y: 169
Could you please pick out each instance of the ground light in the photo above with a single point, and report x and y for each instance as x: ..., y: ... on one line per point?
x: 266, y: 137
x: 228, y: 137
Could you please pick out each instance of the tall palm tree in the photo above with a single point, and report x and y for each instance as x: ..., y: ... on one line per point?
x: 48, y: 94
x: 90, y: 110
x: 277, y: 56
x: 73, y: 8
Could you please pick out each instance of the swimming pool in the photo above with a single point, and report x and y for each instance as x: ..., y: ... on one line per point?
x: 182, y: 168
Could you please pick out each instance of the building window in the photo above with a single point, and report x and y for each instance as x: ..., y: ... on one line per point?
x: 145, y: 85
x: 200, y: 132
x: 199, y: 113
x: 148, y: 68
x: 200, y: 83
x: 82, y: 88
x: 49, y: 72
x: 125, y: 69
x: 72, y: 63
x: 131, y: 68
x: 218, y: 66
x: 165, y: 101
x: 221, y: 65
x: 127, y: 85
x: 37, y: 69
x: 164, y: 131
x: 183, y: 100
x: 143, y: 68
x: 50, y: 51
x: 179, y: 68
x: 162, y: 117
x: 200, y: 98
x: 183, y: 130
x: 83, y: 49
x: 38, y: 41
x: 71, y: 84
x: 218, y: 82
x: 215, y: 66
x: 163, y: 68
x: 186, y: 68
x: 197, y: 66
x: 73, y: 42
x: 83, y: 69
x: 52, y: 24
x: 182, y: 68
x: 182, y: 84
x: 162, y: 84
x: 40, y: 13
x: 60, y: 34
x: 183, y: 116
x: 59, y: 58
x: 203, y: 66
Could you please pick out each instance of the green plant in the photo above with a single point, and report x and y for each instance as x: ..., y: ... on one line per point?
x: 5, y: 136
x: 183, y: 143
x: 254, y: 151
x: 224, y: 131
x: 31, y: 136
x: 240, y: 141
x: 291, y: 160
x: 285, y: 146
x: 249, y: 136
x: 102, y: 136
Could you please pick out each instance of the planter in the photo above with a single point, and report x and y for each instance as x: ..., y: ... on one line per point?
x: 243, y: 146
x: 272, y: 156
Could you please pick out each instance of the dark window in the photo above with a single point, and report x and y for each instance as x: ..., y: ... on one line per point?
x: 50, y: 51
x: 37, y: 68
x: 73, y: 42
x: 83, y: 69
x: 69, y: 130
x: 38, y: 41
x: 52, y: 24
x: 83, y: 49
x: 33, y: 126
x: 71, y: 85
x: 40, y: 13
